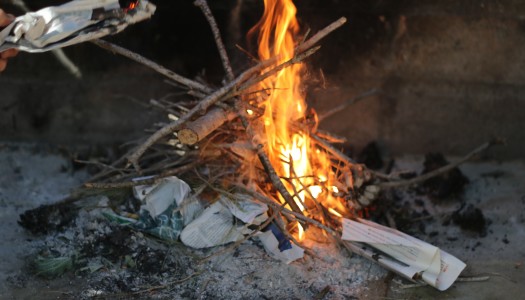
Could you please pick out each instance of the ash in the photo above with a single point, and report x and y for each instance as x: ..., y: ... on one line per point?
x: 105, y: 260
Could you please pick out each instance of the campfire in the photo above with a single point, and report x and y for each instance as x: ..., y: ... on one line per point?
x: 251, y: 152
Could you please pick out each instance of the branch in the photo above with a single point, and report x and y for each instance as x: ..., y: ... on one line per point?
x: 152, y: 65
x: 199, y: 108
x: 347, y: 103
x: 320, y: 35
x: 202, y: 127
x: 150, y: 181
x: 265, y: 161
x: 442, y: 170
x: 203, y: 5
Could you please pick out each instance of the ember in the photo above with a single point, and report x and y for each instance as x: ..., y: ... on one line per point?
x: 128, y: 4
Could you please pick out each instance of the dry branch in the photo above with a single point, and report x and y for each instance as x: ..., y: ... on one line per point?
x: 195, y: 131
x: 265, y: 161
x: 320, y: 35
x: 152, y: 65
x: 347, y: 103
x: 203, y: 5
x: 442, y: 170
x: 150, y: 181
x: 203, y: 105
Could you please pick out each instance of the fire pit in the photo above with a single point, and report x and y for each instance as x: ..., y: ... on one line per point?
x: 253, y: 163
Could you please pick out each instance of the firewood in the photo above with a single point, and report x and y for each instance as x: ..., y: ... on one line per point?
x: 197, y: 130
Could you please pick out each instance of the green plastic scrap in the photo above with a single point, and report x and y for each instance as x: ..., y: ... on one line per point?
x: 166, y: 226
x: 52, y: 267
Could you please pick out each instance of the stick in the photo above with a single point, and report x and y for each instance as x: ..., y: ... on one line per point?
x: 217, y: 95
x: 203, y: 5
x: 59, y: 54
x: 265, y: 161
x: 201, y: 107
x: 344, y: 158
x: 286, y: 211
x: 150, y: 181
x: 202, y: 127
x: 347, y: 103
x: 294, y: 60
x: 152, y: 65
x: 320, y: 35
x: 442, y: 170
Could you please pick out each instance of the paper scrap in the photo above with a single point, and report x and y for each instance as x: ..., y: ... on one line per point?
x: 214, y: 227
x: 165, y: 193
x: 418, y: 258
x: 244, y: 207
x: 271, y: 245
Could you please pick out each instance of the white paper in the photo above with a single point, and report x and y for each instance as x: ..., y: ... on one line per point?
x: 140, y: 191
x: 436, y: 267
x: 160, y: 196
x: 271, y: 245
x: 244, y: 207
x: 213, y: 227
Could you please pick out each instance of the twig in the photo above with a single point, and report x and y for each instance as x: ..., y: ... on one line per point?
x: 196, y: 130
x: 152, y: 65
x: 59, y: 54
x: 442, y: 170
x: 294, y: 60
x: 150, y: 181
x: 338, y: 154
x: 286, y: 211
x: 347, y: 103
x: 160, y: 287
x: 320, y: 35
x: 219, y: 94
x: 265, y: 161
x: 330, y: 137
x: 459, y: 279
x: 201, y: 107
x: 203, y: 5
x: 342, y: 157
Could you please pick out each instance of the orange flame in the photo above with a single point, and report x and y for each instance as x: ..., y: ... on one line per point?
x: 306, y: 170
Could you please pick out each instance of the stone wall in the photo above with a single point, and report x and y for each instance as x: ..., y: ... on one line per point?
x: 452, y: 74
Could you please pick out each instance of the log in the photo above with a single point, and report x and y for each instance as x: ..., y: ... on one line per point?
x: 197, y: 130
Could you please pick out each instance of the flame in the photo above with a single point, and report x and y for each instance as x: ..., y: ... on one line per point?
x: 305, y: 170
x: 128, y: 4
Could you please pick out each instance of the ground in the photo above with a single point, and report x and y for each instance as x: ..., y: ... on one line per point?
x: 117, y: 262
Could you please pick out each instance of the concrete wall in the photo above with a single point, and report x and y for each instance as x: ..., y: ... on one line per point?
x: 452, y: 72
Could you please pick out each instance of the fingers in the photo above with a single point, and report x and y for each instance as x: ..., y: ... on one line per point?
x: 5, y: 19
x: 3, y: 64
x: 8, y: 53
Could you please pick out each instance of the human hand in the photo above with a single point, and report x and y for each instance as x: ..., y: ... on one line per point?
x: 6, y: 19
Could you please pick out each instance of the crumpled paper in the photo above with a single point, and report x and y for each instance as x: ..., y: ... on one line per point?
x: 71, y: 23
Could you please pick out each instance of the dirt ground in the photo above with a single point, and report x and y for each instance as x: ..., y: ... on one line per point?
x: 114, y: 262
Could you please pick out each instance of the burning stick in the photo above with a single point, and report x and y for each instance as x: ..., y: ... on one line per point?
x: 265, y: 161
x: 222, y: 93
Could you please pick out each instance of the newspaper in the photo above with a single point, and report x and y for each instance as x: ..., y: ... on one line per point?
x: 403, y: 254
x: 71, y: 23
